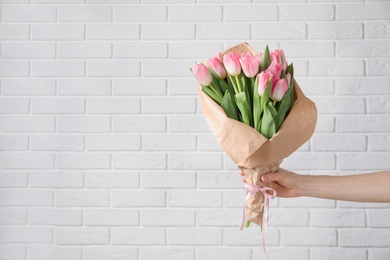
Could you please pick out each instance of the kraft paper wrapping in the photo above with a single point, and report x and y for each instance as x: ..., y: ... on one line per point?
x: 252, y: 151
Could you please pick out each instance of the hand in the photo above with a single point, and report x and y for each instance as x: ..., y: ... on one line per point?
x: 285, y: 183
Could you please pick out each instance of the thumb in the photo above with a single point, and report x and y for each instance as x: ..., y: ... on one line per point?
x: 268, y: 177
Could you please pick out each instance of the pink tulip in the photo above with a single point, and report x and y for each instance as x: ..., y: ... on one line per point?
x: 278, y: 55
x: 202, y: 73
x: 232, y: 63
x: 216, y: 65
x: 279, y: 89
x: 262, y: 80
x: 275, y: 69
x: 250, y: 65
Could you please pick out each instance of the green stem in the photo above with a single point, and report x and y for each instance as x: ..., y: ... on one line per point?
x: 216, y: 92
x: 238, y: 84
x: 247, y: 223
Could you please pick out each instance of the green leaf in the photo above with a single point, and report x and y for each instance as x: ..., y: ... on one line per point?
x: 232, y: 82
x: 211, y: 94
x: 265, y: 59
x: 257, y: 108
x: 272, y: 109
x: 284, y: 106
x: 229, y: 106
x: 243, y: 106
x: 266, y: 94
x: 215, y: 81
x: 268, y: 124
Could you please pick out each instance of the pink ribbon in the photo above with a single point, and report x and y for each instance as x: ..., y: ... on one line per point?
x: 251, y: 191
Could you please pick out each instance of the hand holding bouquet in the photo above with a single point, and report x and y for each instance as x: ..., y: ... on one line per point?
x: 257, y: 113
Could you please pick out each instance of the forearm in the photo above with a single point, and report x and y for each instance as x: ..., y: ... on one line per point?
x: 372, y: 187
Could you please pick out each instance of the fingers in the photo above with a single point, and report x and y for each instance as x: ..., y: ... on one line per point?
x: 268, y: 177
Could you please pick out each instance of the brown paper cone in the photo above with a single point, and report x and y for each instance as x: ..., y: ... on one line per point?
x: 252, y: 151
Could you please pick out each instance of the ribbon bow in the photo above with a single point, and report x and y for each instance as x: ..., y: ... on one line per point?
x: 251, y: 191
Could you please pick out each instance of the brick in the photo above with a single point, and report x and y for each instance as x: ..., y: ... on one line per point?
x: 289, y: 218
x: 29, y: 87
x: 113, y: 68
x: 49, y: 179
x: 13, y: 142
x: 219, y: 31
x: 219, y: 217
x: 168, y: 253
x: 115, y: 105
x: 30, y: 160
x: 166, y: 68
x: 82, y: 236
x: 114, y: 1
x: 292, y: 253
x: 166, y: 180
x: 308, y: 237
x: 139, y: 87
x: 40, y: 252
x: 278, y: 31
x: 111, y: 179
x: 82, y: 198
x: 111, y: 217
x: 106, y: 31
x: 56, y: 217
x: 84, y: 124
x: 117, y: 253
x: 363, y: 123
x: 10, y: 32
x: 208, y: 142
x: 379, y: 142
x: 195, y: 13
x: 338, y: 253
x: 13, y: 216
x: 140, y: 161
x: 84, y: 50
x: 140, y: 13
x: 13, y: 179
x: 366, y: 11
x: 136, y: 124
x: 161, y: 31
x: 84, y: 13
x: 168, y: 142
x: 376, y: 29
x: 113, y: 142
x: 249, y: 237
x: 337, y: 218
x: 250, y: 13
x: 60, y: 32
x: 140, y: 50
x: 371, y: 238
x: 234, y: 198
x: 57, y: 105
x: 311, y: 12
x: 379, y: 105
x: 194, y: 199
x: 226, y: 253
x: 219, y: 180
x: 194, y: 236
x: 363, y: 161
x: 167, y: 105
x: 376, y: 218
x: 14, y: 105
x: 138, y: 198
x: 379, y: 67
x: 308, y: 49
x: 84, y: 87
x: 138, y: 236
x: 83, y: 161
x: 175, y: 86
x: 58, y: 68
x: 378, y: 253
x: 26, y: 198
x: 355, y: 205
x: 25, y: 13
x: 334, y: 142
x: 12, y: 251
x: 57, y: 142
x: 307, y: 203
x: 332, y: 30
x: 21, y: 50
x: 362, y: 86
x: 11, y: 68
x: 167, y: 217
x: 310, y: 161
x: 194, y: 50
x: 325, y: 124
x: 58, y: 1
x: 336, y: 68
x: 363, y: 49
x: 188, y: 123
x: 26, y: 235
x: 318, y: 86
x: 198, y: 161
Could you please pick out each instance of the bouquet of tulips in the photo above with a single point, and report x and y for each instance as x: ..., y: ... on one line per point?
x: 257, y: 113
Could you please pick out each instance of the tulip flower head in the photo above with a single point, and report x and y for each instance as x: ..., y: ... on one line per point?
x: 231, y: 61
x: 275, y: 69
x: 216, y: 65
x: 250, y: 65
x: 263, y: 78
x: 277, y: 56
x: 202, y: 74
x: 279, y: 89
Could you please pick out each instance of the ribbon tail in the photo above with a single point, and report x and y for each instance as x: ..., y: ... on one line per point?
x: 243, y: 219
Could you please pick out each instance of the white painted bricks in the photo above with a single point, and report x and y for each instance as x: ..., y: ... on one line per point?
x: 105, y: 153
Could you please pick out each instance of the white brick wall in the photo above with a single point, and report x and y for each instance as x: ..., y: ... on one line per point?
x: 105, y: 153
